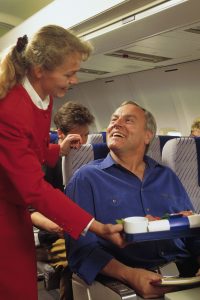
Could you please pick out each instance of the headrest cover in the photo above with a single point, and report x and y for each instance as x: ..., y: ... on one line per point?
x: 164, y: 139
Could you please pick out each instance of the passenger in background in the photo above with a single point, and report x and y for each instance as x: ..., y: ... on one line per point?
x: 195, y: 128
x: 129, y: 183
x: 71, y: 118
x: 31, y: 73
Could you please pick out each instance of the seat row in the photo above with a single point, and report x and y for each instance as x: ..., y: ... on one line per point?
x: 181, y: 154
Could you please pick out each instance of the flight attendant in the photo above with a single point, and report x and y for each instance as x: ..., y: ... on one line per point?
x: 30, y: 75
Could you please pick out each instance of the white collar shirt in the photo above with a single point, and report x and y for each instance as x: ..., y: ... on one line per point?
x: 42, y: 104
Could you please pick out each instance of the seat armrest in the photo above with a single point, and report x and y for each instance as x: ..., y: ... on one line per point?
x: 124, y: 291
x: 102, y: 288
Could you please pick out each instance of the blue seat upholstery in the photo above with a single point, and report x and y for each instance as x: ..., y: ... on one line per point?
x: 53, y: 137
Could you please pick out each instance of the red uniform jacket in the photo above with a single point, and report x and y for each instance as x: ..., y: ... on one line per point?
x: 24, y: 147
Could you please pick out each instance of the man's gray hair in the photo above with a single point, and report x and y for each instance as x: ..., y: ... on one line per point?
x: 150, y: 120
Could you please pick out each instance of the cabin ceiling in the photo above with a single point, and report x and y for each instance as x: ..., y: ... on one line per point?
x: 14, y: 12
x: 165, y: 39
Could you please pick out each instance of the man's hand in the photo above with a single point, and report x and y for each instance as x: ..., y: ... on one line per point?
x: 144, y: 283
x: 71, y: 141
x: 198, y: 273
x: 109, y: 232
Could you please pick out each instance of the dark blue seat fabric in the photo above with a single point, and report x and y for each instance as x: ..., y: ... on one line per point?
x: 100, y: 150
x: 53, y: 137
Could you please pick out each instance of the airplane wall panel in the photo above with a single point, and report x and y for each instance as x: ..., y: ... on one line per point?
x: 173, y: 96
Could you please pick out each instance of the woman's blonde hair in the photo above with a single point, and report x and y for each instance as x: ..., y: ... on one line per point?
x: 48, y: 48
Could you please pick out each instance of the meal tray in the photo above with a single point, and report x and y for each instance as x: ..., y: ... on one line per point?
x: 162, y: 235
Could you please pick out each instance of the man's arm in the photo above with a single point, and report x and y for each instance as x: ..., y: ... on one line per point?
x: 139, y: 279
x: 86, y: 255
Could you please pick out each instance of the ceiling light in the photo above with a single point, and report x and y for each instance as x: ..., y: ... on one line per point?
x: 124, y: 54
x: 92, y: 71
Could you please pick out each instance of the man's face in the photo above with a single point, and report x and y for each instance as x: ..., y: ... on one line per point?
x: 57, y: 82
x: 127, y: 130
x: 196, y: 132
x: 82, y: 130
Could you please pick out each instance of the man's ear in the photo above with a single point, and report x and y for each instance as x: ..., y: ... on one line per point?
x: 61, y: 135
x: 148, y: 137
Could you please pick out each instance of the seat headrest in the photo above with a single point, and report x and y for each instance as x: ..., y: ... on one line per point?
x: 163, y: 139
x: 197, y: 141
x: 79, y: 157
x: 75, y: 159
x: 96, y: 138
x: 53, y: 137
x: 104, y: 136
x: 100, y: 150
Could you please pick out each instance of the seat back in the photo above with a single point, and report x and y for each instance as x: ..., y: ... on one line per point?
x: 112, y: 290
x: 96, y: 138
x: 53, y: 137
x: 79, y: 157
x: 90, y: 151
x: 156, y: 147
x: 154, y: 150
x: 182, y: 156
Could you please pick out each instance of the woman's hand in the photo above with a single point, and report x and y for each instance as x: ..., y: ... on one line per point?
x: 109, y: 232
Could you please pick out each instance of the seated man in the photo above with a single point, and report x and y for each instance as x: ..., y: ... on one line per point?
x: 129, y: 183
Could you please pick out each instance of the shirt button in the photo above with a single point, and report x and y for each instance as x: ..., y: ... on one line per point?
x: 147, y: 209
x: 114, y: 201
x: 162, y: 252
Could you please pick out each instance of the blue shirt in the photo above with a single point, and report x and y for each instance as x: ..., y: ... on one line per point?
x: 109, y: 192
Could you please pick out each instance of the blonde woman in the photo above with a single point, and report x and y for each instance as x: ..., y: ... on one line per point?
x: 30, y: 75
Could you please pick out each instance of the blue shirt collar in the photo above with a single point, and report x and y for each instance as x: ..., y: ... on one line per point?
x: 109, y: 161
